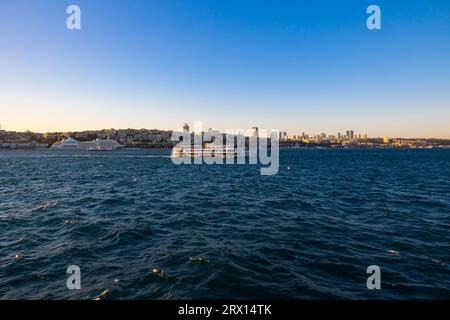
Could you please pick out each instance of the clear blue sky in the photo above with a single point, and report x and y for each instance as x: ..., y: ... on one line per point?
x: 293, y: 65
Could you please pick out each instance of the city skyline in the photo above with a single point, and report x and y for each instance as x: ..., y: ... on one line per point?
x: 296, y: 67
x: 295, y: 132
x: 298, y: 134
x: 144, y: 138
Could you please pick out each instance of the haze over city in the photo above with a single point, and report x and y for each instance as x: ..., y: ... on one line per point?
x: 230, y: 64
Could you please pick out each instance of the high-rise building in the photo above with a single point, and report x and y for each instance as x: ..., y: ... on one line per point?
x: 186, y: 127
x: 351, y: 134
x: 255, y: 132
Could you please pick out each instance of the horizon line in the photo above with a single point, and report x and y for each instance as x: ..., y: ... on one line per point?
x: 221, y: 131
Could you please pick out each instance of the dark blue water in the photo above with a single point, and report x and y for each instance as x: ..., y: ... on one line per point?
x: 140, y: 227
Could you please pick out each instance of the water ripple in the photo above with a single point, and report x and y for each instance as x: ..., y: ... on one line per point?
x: 141, y: 227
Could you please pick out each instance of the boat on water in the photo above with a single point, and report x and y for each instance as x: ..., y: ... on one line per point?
x: 208, y: 151
x: 96, y: 145
x: 106, y: 145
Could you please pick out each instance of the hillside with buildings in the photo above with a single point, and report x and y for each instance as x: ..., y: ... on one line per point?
x: 142, y: 138
x: 153, y: 138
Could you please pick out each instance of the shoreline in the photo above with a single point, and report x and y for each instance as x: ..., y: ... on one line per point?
x: 168, y: 149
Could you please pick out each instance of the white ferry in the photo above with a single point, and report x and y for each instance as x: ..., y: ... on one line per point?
x: 209, y: 151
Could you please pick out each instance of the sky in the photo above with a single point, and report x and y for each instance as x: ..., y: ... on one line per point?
x: 297, y: 66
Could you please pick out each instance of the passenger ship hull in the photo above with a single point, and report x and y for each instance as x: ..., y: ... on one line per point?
x: 204, y: 153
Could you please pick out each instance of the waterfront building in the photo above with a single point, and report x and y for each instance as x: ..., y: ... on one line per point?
x: 24, y: 146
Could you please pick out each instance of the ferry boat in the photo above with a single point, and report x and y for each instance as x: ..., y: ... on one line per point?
x: 209, y: 151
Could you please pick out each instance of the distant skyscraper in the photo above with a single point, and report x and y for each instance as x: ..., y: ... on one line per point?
x: 255, y: 132
x: 339, y: 136
x: 282, y: 135
x: 350, y: 134
x: 186, y: 127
